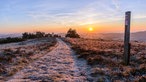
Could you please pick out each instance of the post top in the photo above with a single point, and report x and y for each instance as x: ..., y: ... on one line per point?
x: 128, y: 11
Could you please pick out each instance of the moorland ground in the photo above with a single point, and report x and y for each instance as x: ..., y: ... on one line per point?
x: 51, y: 60
x: 106, y: 59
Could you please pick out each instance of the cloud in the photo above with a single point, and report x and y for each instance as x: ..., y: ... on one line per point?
x: 139, y: 17
x: 94, y: 12
x: 101, y: 11
x: 116, y: 4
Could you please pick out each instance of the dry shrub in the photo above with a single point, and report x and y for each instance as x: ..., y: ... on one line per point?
x: 142, y: 79
x: 97, y: 59
x: 2, y: 68
x: 8, y: 52
x: 12, y: 71
x: 30, y: 53
x: 17, y: 51
x: 84, y: 55
x: 96, y: 72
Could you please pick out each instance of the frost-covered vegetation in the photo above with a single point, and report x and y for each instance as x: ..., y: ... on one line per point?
x: 106, y: 59
x: 14, y: 57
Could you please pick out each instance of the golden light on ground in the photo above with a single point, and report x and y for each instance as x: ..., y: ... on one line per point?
x: 90, y: 29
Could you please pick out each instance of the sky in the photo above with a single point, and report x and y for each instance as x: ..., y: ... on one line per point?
x: 105, y: 16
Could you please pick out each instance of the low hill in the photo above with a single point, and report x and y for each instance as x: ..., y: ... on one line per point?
x: 135, y: 36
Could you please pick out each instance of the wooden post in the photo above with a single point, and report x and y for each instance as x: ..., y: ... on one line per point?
x: 127, y: 38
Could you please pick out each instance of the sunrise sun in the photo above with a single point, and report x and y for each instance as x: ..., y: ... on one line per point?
x: 90, y: 29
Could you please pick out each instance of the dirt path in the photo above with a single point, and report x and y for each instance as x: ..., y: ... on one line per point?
x: 59, y: 65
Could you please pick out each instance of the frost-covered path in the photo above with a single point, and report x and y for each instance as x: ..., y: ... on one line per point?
x: 59, y: 65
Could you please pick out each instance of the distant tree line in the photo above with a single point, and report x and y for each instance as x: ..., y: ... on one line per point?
x: 9, y: 40
x: 26, y: 36
x: 38, y: 34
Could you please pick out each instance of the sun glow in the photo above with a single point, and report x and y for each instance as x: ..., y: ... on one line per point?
x: 90, y: 29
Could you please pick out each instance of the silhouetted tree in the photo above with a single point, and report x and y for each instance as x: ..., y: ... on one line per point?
x: 25, y: 35
x: 48, y: 35
x: 72, y: 34
x: 28, y: 35
x: 40, y: 34
x: 32, y: 36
